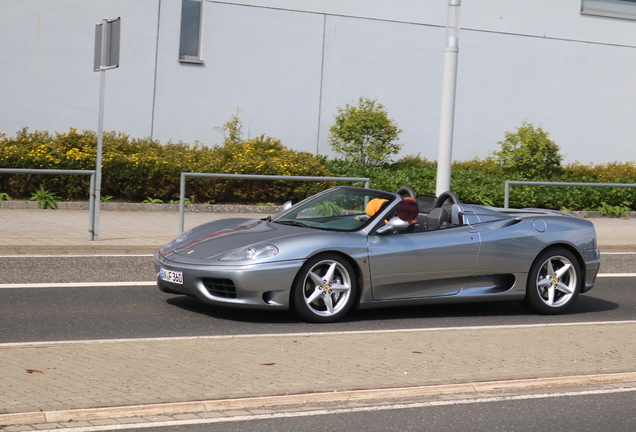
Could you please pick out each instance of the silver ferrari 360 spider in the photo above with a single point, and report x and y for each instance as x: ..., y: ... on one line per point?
x: 353, y: 247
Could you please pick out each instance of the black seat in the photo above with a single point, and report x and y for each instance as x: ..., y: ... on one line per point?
x: 436, y: 219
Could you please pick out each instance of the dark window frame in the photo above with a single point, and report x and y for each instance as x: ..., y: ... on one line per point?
x: 191, y: 32
x: 622, y: 9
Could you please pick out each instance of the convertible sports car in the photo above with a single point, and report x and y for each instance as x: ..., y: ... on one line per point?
x: 353, y: 247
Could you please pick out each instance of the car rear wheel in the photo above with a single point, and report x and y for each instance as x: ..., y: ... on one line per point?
x: 553, y: 282
x: 325, y: 289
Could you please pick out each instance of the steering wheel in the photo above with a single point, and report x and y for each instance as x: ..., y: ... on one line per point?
x: 441, y: 199
x: 409, y: 190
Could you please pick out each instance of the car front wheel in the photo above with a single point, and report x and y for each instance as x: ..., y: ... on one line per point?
x: 325, y: 289
x: 553, y: 282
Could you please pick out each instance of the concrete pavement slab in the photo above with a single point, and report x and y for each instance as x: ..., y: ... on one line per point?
x: 35, y: 231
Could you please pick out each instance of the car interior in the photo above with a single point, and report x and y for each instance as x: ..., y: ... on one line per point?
x: 433, y: 213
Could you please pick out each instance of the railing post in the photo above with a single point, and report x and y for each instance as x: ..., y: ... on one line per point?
x: 182, y: 186
x: 507, y: 194
x: 91, y: 210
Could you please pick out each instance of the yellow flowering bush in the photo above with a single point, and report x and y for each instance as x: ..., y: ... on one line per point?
x: 41, y: 150
x: 267, y: 156
x: 134, y: 169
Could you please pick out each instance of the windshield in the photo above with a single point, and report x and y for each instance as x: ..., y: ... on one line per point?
x: 338, y: 209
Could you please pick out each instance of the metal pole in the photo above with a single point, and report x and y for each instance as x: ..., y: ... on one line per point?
x: 100, y: 133
x: 507, y: 194
x: 91, y: 210
x: 451, y: 52
x: 182, y: 187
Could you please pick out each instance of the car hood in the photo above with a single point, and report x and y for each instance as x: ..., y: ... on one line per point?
x: 220, y: 237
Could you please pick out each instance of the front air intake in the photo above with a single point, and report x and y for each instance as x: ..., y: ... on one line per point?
x: 220, y: 287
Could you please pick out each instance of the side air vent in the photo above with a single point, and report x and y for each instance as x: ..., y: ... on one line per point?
x: 220, y: 287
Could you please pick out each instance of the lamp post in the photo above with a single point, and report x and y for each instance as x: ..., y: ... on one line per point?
x: 451, y: 52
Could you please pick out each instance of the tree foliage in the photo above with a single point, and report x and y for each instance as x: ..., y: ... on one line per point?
x: 364, y: 133
x: 232, y: 130
x: 529, y: 152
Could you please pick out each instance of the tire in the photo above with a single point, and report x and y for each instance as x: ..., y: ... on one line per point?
x: 554, y: 282
x: 316, y: 299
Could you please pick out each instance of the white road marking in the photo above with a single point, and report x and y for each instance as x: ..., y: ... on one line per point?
x: 78, y: 284
x: 618, y: 253
x: 604, y: 275
x: 76, y: 256
x: 320, y: 412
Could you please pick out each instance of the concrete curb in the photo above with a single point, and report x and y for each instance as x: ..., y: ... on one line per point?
x: 340, y: 396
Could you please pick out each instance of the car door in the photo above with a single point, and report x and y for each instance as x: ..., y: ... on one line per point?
x: 424, y: 264
x: 508, y: 247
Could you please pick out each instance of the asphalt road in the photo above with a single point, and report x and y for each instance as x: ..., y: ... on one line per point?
x: 575, y: 412
x: 112, y: 312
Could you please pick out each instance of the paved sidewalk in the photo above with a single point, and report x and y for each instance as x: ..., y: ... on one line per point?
x: 60, y: 232
x: 42, y: 381
x: 34, y: 231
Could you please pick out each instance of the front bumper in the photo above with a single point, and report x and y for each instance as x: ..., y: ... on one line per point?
x: 254, y: 286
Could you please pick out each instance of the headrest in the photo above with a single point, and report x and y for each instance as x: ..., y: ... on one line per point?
x: 436, y: 218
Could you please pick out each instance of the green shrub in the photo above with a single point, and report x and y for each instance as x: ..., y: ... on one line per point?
x: 45, y: 198
x: 364, y: 133
x: 150, y: 200
x: 614, y: 211
x: 529, y: 152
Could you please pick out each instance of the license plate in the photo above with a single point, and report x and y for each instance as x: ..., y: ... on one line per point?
x: 171, y: 276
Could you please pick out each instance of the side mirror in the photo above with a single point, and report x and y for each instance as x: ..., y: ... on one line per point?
x: 394, y: 224
x: 287, y: 205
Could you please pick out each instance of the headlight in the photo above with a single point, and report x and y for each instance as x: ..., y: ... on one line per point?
x: 257, y: 251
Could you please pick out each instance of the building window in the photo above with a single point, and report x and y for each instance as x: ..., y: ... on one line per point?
x: 191, y: 27
x: 625, y: 9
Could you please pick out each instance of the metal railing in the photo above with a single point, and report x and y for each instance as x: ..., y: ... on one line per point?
x: 539, y: 183
x: 92, y: 224
x: 184, y: 175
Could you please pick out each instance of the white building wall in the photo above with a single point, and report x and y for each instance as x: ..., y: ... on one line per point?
x: 289, y: 64
x: 267, y: 62
x: 46, y: 76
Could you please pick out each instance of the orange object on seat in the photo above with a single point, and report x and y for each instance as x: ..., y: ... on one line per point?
x: 374, y: 205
